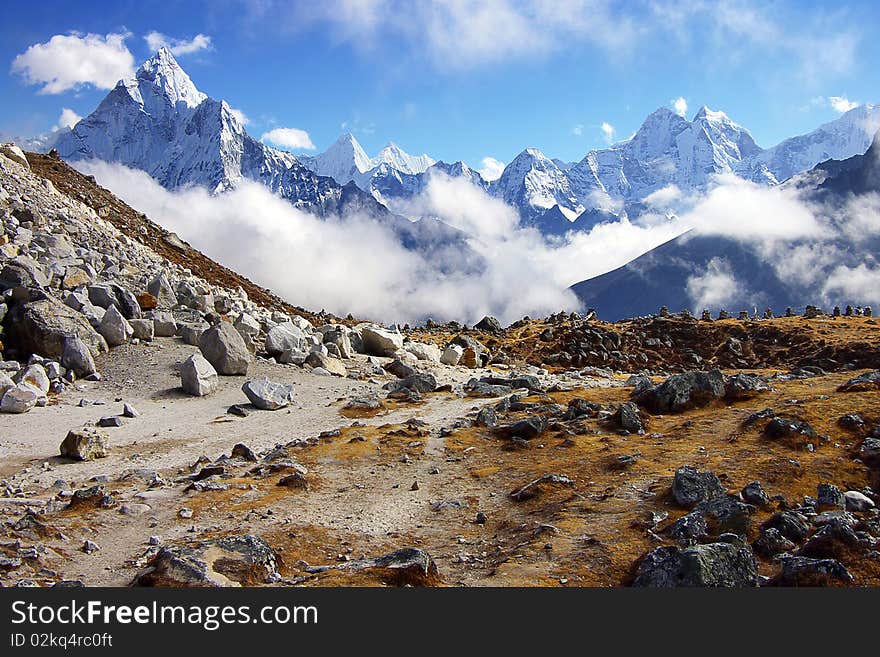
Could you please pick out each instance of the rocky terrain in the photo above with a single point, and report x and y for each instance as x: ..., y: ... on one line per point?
x: 165, y: 422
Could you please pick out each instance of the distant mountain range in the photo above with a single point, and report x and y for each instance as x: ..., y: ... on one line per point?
x: 681, y: 273
x: 161, y: 123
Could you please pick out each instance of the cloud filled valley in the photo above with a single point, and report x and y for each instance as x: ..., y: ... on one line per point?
x: 352, y: 264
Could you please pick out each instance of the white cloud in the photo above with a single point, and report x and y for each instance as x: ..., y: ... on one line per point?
x: 607, y: 132
x: 841, y: 104
x: 491, y: 168
x: 715, y: 287
x: 859, y: 284
x: 68, y: 119
x: 292, y: 138
x: 178, y: 47
x: 241, y: 116
x: 680, y: 105
x: 68, y: 61
x: 578, y: 130
x: 663, y: 197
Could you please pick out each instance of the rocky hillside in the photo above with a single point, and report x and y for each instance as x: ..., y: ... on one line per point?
x: 167, y: 423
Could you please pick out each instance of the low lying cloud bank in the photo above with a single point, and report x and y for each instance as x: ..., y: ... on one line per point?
x: 354, y: 265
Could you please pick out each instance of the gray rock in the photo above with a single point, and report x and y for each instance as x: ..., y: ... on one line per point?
x: 856, y: 501
x: 20, y: 399
x: 489, y: 324
x: 85, y: 444
x: 379, y: 341
x: 164, y: 325
x: 745, y: 386
x: 6, y: 383
x: 683, y: 391
x: 727, y: 564
x: 422, y: 382
x: 771, y: 542
x: 219, y: 562
x: 691, y: 486
x: 224, y: 348
x: 399, y: 369
x: 332, y: 365
x: 830, y: 497
x: 143, y: 329
x: 862, y: 383
x: 452, y: 355
x: 77, y: 357
x: 161, y: 288
x: 790, y: 524
x: 43, y: 326
x: 36, y: 376
x: 267, y: 395
x: 115, y: 328
x: 804, y: 571
x: 191, y: 333
x: 283, y: 337
x: 627, y: 417
x: 129, y: 411
x: 754, y: 493
x: 197, y: 376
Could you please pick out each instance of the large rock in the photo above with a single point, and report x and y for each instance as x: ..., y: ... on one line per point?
x: 340, y: 338
x: 284, y: 337
x: 804, y: 571
x: 691, y: 486
x: 380, y: 341
x: 424, y: 351
x: 683, y: 391
x: 452, y: 355
x: 421, y: 382
x: 406, y: 567
x: 85, y: 444
x: 15, y: 154
x: 218, y: 562
x: 862, y: 383
x: 197, y: 376
x: 115, y: 328
x: 161, y: 288
x: 76, y: 356
x: 6, y: 383
x: 267, y: 395
x: 35, y: 375
x: 143, y: 329
x: 745, y: 386
x: 731, y: 565
x: 332, y: 365
x: 164, y: 325
x: 42, y: 327
x: 225, y: 349
x: 20, y: 399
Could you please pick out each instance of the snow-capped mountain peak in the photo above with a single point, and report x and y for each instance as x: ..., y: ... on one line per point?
x: 164, y: 76
x: 395, y: 156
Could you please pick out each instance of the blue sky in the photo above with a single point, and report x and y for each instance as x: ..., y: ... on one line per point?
x: 457, y: 79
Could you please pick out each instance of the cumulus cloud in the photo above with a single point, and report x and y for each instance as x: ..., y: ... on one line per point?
x: 68, y: 119
x: 607, y: 132
x: 178, y: 47
x: 292, y: 138
x: 239, y: 115
x: 68, y: 61
x: 842, y: 104
x: 714, y: 287
x: 370, y: 274
x: 680, y: 105
x: 860, y: 282
x: 663, y: 197
x: 491, y: 168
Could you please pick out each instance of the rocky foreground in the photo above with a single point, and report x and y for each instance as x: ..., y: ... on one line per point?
x: 166, y: 422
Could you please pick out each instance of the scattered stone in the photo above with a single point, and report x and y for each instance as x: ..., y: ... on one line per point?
x: 239, y: 410
x: 90, y: 547
x: 266, y: 395
x: 19, y: 399
x: 85, y: 444
x: 830, y: 497
x: 725, y: 564
x: 197, y: 376
x: 862, y: 383
x: 781, y: 427
x: 399, y: 369
x: 115, y: 328
x: 489, y: 324
x: 110, y: 421
x: 129, y: 411
x: 230, y: 561
x: 421, y: 382
x: 627, y: 417
x: 691, y: 486
x: 539, y: 486
x: 333, y: 365
x: 486, y: 417
x: 143, y: 329
x: 406, y: 567
x: 242, y: 451
x: 683, y: 391
x: 452, y: 355
x: 754, y: 493
x: 379, y: 341
x: 224, y: 348
x: 771, y: 542
x: 856, y: 501
x: 295, y: 480
x: 745, y: 386
x: 803, y: 571
x: 790, y: 524
x: 285, y: 337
